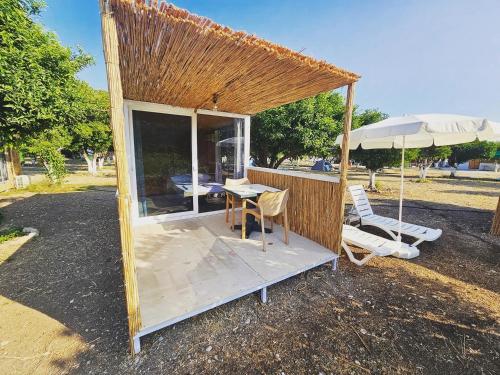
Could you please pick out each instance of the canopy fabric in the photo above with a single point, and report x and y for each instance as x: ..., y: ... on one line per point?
x: 496, y: 131
x: 170, y: 56
x: 422, y: 131
x: 417, y: 131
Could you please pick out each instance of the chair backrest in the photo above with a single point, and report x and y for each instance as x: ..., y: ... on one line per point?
x: 273, y: 204
x: 360, y: 200
x: 236, y: 182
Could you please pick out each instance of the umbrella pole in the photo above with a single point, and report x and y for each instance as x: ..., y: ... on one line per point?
x: 401, y: 186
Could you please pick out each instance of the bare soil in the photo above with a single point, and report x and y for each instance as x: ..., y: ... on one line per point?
x: 62, y: 305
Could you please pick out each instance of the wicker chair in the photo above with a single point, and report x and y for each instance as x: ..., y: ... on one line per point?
x: 231, y: 200
x: 269, y: 205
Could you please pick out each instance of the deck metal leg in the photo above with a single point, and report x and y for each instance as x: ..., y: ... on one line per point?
x: 334, y: 264
x: 137, y: 344
x: 263, y: 295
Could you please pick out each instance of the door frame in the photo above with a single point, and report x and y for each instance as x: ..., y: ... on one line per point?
x: 132, y: 105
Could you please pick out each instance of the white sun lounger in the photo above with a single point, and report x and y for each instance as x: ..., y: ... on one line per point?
x: 376, y: 245
x: 387, y: 224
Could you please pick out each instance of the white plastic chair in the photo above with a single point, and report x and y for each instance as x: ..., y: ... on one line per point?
x: 388, y: 224
x: 376, y: 245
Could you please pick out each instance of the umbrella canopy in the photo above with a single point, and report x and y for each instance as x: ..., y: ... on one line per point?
x: 496, y: 131
x: 422, y: 131
x: 416, y: 131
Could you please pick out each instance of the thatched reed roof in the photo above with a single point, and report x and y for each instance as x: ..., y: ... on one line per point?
x: 170, y: 56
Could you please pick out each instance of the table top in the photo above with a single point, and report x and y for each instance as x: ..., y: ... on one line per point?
x: 203, y: 188
x: 249, y: 190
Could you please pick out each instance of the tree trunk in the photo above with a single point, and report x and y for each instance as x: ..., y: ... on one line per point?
x: 91, y: 163
x: 424, y: 168
x: 278, y: 162
x: 100, y: 161
x: 371, y: 184
x: 94, y: 164
x: 50, y: 172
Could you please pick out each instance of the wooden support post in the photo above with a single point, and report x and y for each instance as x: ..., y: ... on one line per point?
x: 344, y: 163
x: 111, y: 56
x: 495, y: 227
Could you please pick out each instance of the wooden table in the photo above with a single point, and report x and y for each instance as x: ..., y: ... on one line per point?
x: 249, y: 191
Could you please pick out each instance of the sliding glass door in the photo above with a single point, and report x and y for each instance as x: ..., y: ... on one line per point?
x: 220, y: 156
x: 163, y: 163
x: 182, y: 160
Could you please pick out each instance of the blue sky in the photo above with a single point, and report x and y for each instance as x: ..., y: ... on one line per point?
x: 414, y: 56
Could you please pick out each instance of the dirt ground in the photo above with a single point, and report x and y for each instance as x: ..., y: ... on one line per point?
x: 62, y: 305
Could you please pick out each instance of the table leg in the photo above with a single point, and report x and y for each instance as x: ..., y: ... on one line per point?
x: 233, y: 208
x: 243, y: 219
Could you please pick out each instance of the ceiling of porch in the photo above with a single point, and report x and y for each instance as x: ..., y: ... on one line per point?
x: 170, y: 56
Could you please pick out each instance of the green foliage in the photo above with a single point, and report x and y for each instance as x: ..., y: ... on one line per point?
x: 47, y: 148
x: 374, y: 159
x: 40, y: 96
x: 306, y: 127
x: 37, y: 74
x: 32, y: 6
x: 377, y: 159
x: 367, y: 117
x: 11, y: 233
x: 433, y: 153
x: 95, y: 136
x: 92, y: 131
x: 473, y: 150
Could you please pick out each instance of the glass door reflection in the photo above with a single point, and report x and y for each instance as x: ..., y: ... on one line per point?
x: 220, y: 156
x: 163, y: 160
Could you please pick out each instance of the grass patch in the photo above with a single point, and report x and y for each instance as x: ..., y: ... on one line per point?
x: 47, y: 188
x: 8, y: 234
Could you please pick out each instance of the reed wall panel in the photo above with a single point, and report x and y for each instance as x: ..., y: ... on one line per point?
x: 495, y: 227
x: 111, y: 57
x: 314, y: 206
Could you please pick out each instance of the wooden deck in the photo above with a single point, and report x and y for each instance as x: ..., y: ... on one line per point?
x: 187, y: 267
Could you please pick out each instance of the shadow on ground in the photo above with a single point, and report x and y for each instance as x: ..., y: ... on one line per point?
x: 436, y: 314
x: 72, y: 272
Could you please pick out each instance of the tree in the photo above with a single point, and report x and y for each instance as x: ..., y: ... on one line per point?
x: 473, y: 150
x: 425, y: 157
x: 47, y: 149
x: 37, y: 82
x: 307, y: 127
x: 92, y: 134
x: 374, y: 159
x: 93, y: 140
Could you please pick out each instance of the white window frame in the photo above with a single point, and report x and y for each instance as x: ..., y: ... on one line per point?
x: 132, y: 105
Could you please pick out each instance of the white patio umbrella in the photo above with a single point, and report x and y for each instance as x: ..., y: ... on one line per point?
x: 418, y: 131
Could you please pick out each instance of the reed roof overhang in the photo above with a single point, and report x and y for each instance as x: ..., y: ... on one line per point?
x: 170, y: 56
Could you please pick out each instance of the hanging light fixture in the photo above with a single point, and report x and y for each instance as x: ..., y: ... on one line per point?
x: 215, y: 97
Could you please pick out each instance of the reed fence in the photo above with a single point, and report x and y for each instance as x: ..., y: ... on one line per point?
x: 315, y: 203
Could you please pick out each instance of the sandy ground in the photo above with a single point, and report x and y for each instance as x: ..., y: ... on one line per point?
x: 62, y: 305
